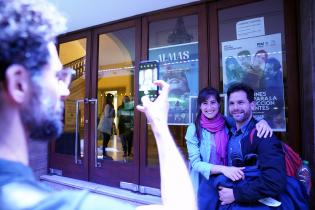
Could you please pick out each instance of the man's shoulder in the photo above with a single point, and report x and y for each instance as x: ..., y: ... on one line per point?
x: 266, y: 144
x: 40, y: 197
x: 272, y: 138
x: 18, y: 189
x: 251, y: 134
x: 252, y: 139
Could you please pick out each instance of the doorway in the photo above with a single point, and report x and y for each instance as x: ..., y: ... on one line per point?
x: 69, y: 153
x: 130, y: 158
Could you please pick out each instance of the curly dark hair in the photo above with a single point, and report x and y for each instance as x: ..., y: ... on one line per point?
x: 235, y: 87
x: 27, y: 26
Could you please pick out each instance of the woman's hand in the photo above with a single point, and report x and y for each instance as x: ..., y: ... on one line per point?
x: 233, y: 173
x: 263, y: 129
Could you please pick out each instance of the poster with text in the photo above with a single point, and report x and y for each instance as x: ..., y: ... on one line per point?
x: 257, y: 62
x: 179, y: 68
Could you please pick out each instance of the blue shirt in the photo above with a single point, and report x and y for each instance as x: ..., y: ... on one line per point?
x: 234, y: 145
x: 20, y: 190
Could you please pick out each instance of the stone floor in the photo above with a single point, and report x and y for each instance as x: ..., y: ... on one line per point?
x: 135, y: 199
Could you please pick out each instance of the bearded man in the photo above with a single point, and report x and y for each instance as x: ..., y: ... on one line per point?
x: 33, y: 85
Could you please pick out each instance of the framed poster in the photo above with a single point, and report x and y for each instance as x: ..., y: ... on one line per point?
x: 257, y: 62
x: 179, y: 68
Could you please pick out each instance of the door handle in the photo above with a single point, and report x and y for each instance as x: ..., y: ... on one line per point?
x: 85, y: 101
x: 94, y: 102
x: 77, y: 131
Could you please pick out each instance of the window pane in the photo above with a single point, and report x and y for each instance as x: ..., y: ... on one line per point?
x: 115, y: 95
x: 174, y: 43
x: 72, y: 54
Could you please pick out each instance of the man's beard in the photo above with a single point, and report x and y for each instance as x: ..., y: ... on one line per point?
x: 246, y: 115
x: 47, y: 130
x: 41, y: 120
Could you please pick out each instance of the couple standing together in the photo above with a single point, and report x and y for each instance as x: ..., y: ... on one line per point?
x: 232, y: 165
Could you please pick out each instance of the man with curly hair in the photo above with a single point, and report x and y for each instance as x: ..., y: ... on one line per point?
x: 33, y: 85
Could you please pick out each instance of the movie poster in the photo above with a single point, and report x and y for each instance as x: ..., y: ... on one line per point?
x: 179, y: 68
x: 257, y: 61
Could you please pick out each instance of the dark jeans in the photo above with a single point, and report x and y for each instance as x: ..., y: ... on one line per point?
x: 208, y: 197
x: 127, y: 140
x: 106, y: 138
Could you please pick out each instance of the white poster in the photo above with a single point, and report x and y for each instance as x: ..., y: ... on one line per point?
x: 250, y: 28
x: 257, y: 61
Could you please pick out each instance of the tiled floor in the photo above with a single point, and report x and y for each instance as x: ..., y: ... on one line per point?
x: 114, y: 149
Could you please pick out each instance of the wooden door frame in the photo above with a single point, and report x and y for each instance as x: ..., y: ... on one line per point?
x: 122, y: 171
x: 66, y: 162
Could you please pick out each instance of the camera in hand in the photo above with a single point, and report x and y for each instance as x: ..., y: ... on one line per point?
x: 148, y: 73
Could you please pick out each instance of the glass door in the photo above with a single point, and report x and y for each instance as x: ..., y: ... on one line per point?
x: 115, y: 149
x: 69, y: 152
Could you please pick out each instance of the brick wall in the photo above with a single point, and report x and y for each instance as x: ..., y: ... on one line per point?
x: 38, y: 157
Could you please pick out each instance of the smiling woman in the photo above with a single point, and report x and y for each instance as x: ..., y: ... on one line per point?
x: 206, y: 138
x: 210, y: 107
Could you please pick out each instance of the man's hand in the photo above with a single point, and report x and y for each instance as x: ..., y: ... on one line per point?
x: 263, y: 129
x: 226, y: 195
x: 157, y: 111
x: 175, y: 180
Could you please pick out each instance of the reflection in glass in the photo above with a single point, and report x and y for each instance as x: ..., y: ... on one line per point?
x: 72, y: 54
x: 174, y: 43
x: 116, y: 95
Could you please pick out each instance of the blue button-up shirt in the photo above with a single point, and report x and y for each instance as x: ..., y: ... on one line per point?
x: 234, y: 146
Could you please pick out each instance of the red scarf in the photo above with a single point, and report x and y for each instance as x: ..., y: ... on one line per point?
x: 217, y: 126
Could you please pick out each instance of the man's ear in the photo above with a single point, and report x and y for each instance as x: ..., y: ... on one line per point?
x: 17, y: 82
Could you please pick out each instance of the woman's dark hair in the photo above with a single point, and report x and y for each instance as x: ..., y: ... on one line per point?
x: 109, y: 99
x: 203, y: 95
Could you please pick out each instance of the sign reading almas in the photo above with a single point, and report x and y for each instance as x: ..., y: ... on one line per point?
x: 180, y: 69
